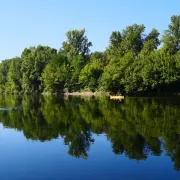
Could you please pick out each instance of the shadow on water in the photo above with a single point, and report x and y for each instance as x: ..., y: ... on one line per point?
x: 136, y: 127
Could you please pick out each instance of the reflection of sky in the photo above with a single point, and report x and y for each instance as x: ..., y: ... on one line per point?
x: 26, y: 159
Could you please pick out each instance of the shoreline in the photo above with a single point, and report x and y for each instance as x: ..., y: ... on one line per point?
x: 87, y: 94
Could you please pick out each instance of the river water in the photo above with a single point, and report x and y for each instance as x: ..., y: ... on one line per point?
x: 52, y: 137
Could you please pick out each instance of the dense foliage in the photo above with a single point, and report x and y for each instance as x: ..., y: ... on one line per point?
x: 133, y: 62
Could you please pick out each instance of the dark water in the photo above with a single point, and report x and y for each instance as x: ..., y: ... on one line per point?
x: 89, y: 138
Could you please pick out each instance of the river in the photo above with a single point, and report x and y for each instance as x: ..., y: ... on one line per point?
x: 52, y: 137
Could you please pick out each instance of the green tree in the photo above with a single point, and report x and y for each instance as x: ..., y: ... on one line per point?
x: 14, y: 76
x: 76, y: 44
x: 4, y: 69
x: 91, y: 73
x: 112, y: 80
x: 77, y: 50
x: 171, y: 38
x: 34, y: 60
x: 133, y: 38
x: 53, y: 75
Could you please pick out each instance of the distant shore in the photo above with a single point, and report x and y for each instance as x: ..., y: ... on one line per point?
x: 86, y: 94
x: 83, y: 93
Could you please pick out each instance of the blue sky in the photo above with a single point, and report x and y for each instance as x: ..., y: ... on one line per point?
x: 27, y: 23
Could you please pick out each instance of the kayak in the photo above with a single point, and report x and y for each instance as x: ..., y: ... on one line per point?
x: 116, y: 97
x: 9, y: 108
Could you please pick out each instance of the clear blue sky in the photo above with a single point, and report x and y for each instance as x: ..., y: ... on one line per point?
x: 27, y: 23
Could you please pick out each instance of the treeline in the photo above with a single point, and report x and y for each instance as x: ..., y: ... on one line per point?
x: 133, y: 62
x: 136, y: 127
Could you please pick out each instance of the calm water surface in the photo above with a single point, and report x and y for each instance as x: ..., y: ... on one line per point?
x: 89, y: 138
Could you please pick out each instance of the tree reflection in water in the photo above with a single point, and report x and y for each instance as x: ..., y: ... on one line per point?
x: 136, y: 127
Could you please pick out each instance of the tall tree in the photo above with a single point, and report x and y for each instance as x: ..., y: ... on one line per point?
x: 90, y: 74
x: 53, y: 75
x: 34, y: 60
x: 76, y: 44
x: 4, y: 69
x: 14, y: 76
x: 133, y: 38
x: 171, y: 38
x: 77, y: 50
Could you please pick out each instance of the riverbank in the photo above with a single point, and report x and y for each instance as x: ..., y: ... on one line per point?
x: 83, y: 93
x: 137, y: 94
x: 86, y: 94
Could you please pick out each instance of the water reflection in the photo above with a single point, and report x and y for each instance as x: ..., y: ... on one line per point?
x: 136, y: 127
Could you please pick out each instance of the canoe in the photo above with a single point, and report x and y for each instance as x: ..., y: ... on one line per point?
x: 10, y: 108
x: 5, y: 109
x: 116, y: 97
